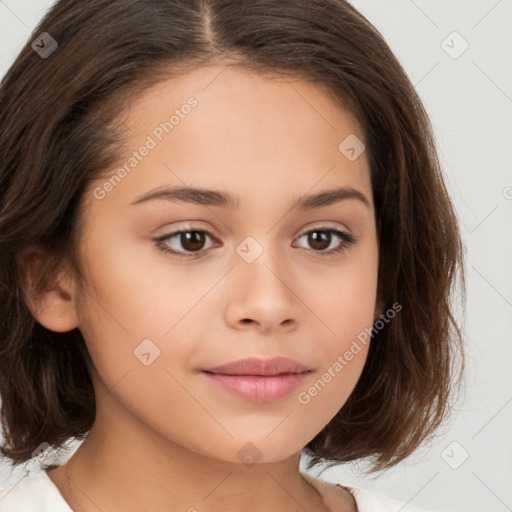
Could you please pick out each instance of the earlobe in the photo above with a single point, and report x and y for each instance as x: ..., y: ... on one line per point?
x: 54, y: 305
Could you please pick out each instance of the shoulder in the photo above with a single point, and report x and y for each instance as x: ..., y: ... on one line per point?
x: 334, y: 495
x: 35, y: 492
x: 369, y: 501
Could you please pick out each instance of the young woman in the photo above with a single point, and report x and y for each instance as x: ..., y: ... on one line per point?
x: 225, y: 241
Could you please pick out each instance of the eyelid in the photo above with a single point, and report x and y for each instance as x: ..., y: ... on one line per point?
x: 323, y: 226
x: 184, y: 226
x: 191, y: 226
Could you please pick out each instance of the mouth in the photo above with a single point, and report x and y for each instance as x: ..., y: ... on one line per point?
x: 259, y: 380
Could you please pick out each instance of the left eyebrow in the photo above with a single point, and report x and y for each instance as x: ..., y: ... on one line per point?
x: 205, y: 197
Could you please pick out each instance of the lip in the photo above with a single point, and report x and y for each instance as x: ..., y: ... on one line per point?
x: 256, y: 366
x: 259, y: 380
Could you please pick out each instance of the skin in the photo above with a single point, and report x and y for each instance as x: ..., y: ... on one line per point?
x: 165, y: 438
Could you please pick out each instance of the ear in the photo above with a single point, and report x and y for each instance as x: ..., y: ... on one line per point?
x: 54, y: 306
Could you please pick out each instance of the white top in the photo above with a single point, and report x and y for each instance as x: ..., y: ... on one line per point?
x: 36, y: 492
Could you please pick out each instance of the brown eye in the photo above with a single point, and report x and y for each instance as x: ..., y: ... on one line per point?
x: 185, y: 243
x: 319, y: 240
x: 192, y: 240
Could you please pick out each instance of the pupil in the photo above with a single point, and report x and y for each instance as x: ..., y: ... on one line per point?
x: 192, y: 240
x: 319, y: 239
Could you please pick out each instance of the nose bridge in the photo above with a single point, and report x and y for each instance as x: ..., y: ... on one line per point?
x: 261, y: 259
x: 263, y: 292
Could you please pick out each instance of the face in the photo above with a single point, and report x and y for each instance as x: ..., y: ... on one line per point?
x: 267, y: 273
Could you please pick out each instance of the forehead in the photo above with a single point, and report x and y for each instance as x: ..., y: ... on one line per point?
x: 232, y: 97
x: 226, y: 128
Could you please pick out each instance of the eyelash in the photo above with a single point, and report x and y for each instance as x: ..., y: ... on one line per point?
x: 348, y: 241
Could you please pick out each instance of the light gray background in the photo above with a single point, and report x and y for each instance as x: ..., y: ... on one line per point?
x: 469, y: 99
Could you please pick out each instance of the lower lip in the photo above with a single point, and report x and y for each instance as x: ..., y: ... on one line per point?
x: 259, y: 388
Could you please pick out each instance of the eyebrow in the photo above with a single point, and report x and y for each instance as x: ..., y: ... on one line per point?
x: 206, y: 197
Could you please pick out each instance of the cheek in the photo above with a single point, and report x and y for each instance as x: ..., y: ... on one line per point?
x: 142, y: 369
x: 344, y: 299
x: 133, y: 314
x: 132, y: 291
x: 346, y: 305
x: 343, y: 358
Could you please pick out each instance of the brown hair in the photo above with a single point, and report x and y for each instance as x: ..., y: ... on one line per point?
x: 61, y: 128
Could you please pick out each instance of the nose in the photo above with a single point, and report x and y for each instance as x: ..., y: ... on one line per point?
x: 263, y: 295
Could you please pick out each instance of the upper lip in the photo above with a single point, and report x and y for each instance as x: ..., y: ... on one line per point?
x: 256, y: 366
